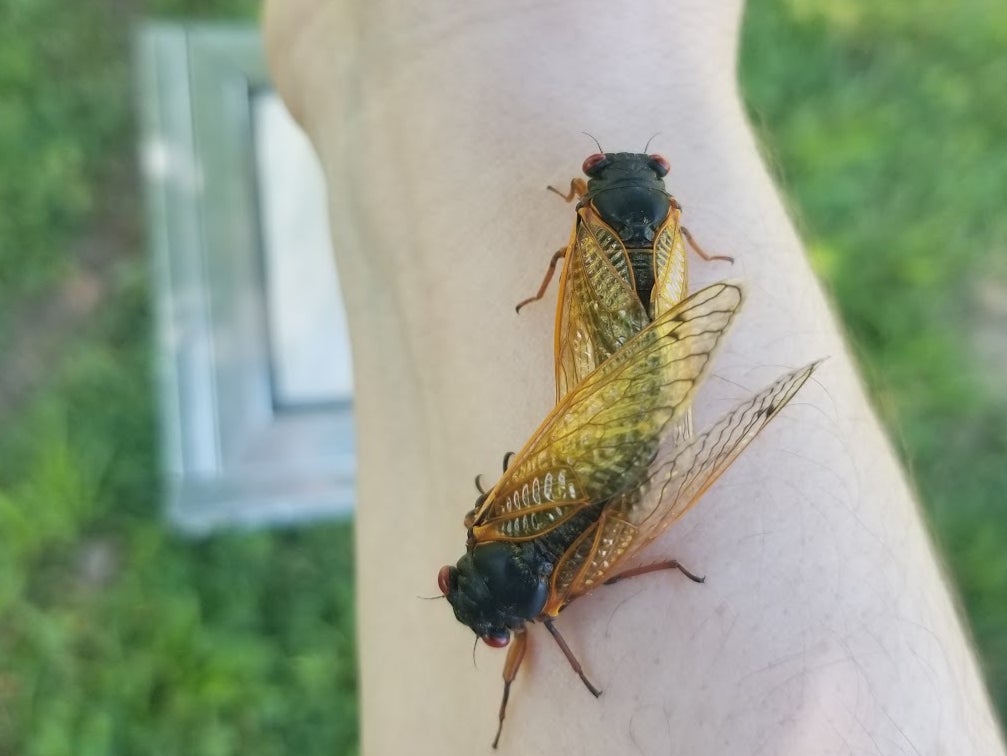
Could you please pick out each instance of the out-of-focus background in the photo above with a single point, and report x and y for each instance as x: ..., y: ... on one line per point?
x: 887, y: 127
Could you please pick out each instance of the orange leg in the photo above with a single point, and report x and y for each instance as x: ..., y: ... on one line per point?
x: 515, y: 655
x: 670, y: 564
x: 699, y: 250
x: 570, y: 657
x: 561, y: 253
x: 578, y: 188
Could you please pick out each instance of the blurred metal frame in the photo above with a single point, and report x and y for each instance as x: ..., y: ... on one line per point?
x: 231, y: 453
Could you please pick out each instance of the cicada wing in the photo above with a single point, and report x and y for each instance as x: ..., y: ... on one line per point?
x: 671, y: 282
x: 671, y: 265
x: 589, y: 560
x: 602, y: 437
x: 598, y: 310
x: 675, y: 482
x: 684, y: 476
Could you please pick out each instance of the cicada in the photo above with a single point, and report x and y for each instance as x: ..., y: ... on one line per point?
x: 625, y: 263
x: 600, y: 479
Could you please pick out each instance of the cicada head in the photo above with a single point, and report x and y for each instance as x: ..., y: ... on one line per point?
x: 626, y: 166
x: 494, y: 589
x: 627, y: 191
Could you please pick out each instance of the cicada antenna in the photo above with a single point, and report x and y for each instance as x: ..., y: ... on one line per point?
x: 647, y: 146
x: 597, y: 143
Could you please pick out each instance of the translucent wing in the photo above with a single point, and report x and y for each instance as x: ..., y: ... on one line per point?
x: 675, y: 482
x: 671, y: 283
x: 603, y: 436
x: 598, y: 310
x: 684, y: 476
x: 671, y: 270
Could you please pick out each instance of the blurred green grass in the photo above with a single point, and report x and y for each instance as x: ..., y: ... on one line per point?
x: 886, y: 125
x: 117, y: 637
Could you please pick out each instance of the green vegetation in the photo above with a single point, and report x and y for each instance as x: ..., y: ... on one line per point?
x: 886, y: 124
x: 117, y: 637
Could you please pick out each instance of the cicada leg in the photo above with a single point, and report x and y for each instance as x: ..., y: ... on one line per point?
x: 560, y: 254
x: 578, y: 188
x: 670, y: 564
x: 700, y: 251
x: 570, y: 657
x: 479, y: 478
x: 515, y: 655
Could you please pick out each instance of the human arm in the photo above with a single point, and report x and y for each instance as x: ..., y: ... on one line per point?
x: 825, y: 623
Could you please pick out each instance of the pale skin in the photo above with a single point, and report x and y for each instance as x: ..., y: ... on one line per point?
x: 825, y: 624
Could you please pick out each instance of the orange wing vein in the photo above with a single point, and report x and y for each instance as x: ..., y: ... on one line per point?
x: 674, y: 483
x: 605, y: 433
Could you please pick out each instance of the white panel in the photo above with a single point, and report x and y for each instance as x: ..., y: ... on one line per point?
x: 307, y: 325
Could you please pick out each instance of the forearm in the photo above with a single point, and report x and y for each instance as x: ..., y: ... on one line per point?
x: 824, y: 624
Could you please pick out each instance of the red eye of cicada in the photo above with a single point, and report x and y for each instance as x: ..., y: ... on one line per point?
x: 660, y: 165
x: 593, y: 162
x: 497, y: 641
x: 444, y: 579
